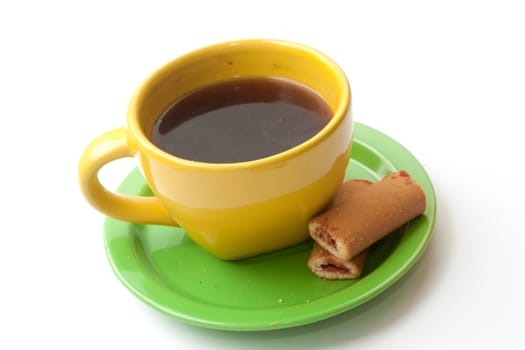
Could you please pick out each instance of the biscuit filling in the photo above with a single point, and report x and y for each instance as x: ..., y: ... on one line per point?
x: 328, y: 239
x: 334, y: 268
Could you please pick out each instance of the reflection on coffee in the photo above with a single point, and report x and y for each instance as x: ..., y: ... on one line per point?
x: 240, y: 120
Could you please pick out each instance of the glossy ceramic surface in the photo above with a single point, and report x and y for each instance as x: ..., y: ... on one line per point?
x: 168, y: 271
x: 232, y: 210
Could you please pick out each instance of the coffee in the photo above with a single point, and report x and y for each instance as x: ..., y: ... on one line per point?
x: 240, y: 120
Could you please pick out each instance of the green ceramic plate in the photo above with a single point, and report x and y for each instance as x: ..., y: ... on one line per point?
x: 166, y: 270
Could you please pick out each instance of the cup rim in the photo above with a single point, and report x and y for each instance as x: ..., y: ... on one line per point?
x: 338, y: 114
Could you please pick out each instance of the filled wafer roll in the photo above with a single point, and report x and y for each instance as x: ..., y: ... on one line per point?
x: 324, y: 264
x: 358, y: 219
x: 327, y: 266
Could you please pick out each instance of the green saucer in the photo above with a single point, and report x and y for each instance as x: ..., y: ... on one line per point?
x: 166, y: 270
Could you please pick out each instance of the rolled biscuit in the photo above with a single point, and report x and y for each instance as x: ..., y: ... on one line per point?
x: 358, y: 219
x: 324, y: 264
x: 327, y: 266
x: 348, y: 189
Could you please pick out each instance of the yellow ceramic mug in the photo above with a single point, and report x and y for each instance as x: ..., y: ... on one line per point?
x: 233, y: 210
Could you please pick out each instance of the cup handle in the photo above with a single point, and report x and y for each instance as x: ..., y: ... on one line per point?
x: 104, y: 149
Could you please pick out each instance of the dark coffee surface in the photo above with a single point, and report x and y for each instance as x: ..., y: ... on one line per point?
x: 240, y: 120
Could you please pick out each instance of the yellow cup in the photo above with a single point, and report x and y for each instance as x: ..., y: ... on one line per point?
x: 233, y: 210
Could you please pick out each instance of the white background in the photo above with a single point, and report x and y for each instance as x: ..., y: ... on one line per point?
x: 445, y: 78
